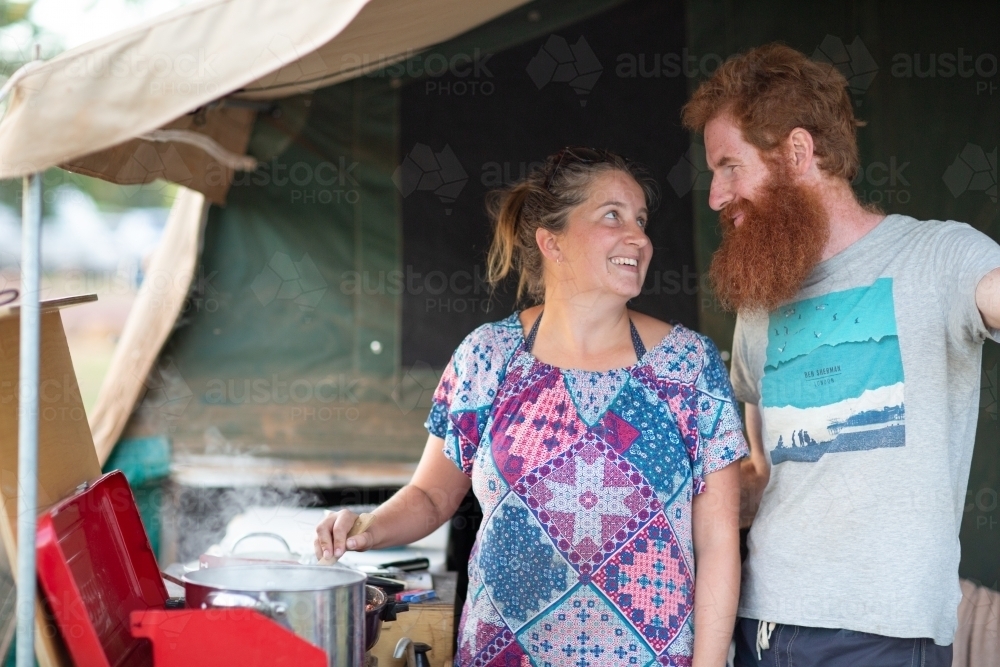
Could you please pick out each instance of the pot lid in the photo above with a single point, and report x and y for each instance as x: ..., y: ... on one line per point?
x: 287, y: 578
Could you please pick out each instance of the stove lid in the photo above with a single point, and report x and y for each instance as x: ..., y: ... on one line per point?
x: 96, y: 566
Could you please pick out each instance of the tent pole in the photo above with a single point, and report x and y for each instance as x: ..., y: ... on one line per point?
x: 27, y: 423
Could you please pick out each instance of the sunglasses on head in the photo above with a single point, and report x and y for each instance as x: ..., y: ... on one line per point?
x: 578, y: 155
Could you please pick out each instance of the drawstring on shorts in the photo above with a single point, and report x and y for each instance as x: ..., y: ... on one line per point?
x: 764, y: 630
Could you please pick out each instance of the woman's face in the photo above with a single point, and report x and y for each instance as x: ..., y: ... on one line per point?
x: 604, y: 249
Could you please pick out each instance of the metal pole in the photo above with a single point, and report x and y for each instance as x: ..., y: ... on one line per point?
x: 27, y: 422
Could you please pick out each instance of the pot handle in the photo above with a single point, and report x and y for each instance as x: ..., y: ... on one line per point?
x: 273, y: 536
x: 226, y: 600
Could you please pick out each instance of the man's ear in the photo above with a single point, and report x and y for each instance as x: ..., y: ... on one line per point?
x: 548, y: 243
x: 800, y: 148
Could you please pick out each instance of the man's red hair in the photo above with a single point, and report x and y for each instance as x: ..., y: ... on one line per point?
x: 771, y: 90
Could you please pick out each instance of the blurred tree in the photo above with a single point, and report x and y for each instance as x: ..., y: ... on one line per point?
x: 12, y: 12
x: 18, y: 35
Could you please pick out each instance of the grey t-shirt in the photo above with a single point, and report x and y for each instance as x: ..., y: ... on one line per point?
x: 868, y: 387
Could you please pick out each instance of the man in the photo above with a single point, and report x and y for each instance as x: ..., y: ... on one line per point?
x: 857, y: 352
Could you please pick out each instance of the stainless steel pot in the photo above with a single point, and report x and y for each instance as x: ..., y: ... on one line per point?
x: 325, y: 605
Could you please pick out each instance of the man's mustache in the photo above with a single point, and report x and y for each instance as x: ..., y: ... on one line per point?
x: 729, y: 213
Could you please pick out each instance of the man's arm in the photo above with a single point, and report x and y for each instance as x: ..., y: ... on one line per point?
x: 754, y: 471
x: 988, y: 299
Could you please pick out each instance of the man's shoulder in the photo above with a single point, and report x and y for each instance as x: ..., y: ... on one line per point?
x: 937, y: 245
x: 910, y: 227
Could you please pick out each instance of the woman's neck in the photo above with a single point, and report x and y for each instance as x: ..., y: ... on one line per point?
x: 582, y: 333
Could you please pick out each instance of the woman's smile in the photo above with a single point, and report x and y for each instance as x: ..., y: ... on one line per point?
x: 630, y: 264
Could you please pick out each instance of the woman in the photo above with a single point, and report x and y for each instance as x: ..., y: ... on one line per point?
x: 598, y: 441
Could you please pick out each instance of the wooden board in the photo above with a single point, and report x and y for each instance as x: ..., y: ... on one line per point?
x: 12, y: 310
x: 200, y: 471
x: 66, y: 453
x: 429, y: 622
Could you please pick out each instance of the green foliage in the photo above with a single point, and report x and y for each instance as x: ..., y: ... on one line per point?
x: 108, y: 196
x: 12, y: 12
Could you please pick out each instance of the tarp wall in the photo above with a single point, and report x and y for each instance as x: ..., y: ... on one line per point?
x: 279, y: 352
x: 291, y: 343
x: 498, y: 125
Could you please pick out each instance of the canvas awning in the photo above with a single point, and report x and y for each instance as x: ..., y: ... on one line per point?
x: 174, y: 97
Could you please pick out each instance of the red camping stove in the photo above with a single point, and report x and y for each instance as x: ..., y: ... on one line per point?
x: 101, y: 579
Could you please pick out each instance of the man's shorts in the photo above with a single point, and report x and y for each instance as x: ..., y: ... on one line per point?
x: 799, y: 646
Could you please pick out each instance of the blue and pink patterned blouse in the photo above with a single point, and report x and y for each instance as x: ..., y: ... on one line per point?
x: 585, y: 555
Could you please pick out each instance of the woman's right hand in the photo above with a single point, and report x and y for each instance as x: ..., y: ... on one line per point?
x: 331, y: 536
x: 412, y: 513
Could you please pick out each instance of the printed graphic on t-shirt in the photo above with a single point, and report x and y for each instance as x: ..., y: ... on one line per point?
x: 833, y: 379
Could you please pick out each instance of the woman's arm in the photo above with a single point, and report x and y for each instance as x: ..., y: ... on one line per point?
x: 754, y: 471
x: 416, y: 511
x: 715, y: 515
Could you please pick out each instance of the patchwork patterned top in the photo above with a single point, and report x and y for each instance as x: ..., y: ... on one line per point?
x: 585, y: 555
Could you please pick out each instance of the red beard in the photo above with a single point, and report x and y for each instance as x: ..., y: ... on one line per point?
x: 763, y: 262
